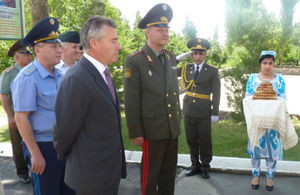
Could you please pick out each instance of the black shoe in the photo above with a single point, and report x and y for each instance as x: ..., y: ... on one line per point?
x: 255, y: 187
x: 205, y: 174
x: 269, y: 188
x: 25, y: 179
x: 193, y: 172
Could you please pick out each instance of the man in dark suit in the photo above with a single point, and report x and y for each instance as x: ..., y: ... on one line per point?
x: 152, y: 103
x: 200, y: 80
x: 87, y: 133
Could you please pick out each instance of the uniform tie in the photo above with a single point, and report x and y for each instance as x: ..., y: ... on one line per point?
x: 197, y: 72
x: 110, y: 84
x: 161, y: 57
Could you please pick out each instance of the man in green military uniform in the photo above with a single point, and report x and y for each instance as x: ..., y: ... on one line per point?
x: 200, y: 80
x: 22, y: 57
x: 152, y: 103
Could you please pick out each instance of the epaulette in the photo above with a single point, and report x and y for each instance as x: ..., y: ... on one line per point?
x: 7, y: 70
x: 137, y: 53
x: 29, y: 69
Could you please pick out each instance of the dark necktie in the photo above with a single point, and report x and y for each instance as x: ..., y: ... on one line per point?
x: 197, y: 72
x: 161, y: 57
x: 110, y: 84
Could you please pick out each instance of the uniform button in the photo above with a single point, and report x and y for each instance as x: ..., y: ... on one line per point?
x: 174, y: 93
x: 176, y: 103
x: 177, y: 113
x: 194, y: 101
x: 120, y: 150
x: 170, y: 115
x: 167, y: 95
x: 169, y: 105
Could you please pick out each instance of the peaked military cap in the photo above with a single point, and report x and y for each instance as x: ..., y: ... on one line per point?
x: 17, y: 47
x: 271, y: 53
x: 70, y: 36
x: 198, y: 44
x: 44, y: 31
x: 160, y: 15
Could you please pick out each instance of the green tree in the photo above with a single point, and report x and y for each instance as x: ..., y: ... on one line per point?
x: 287, y: 12
x: 249, y: 31
x: 189, y: 29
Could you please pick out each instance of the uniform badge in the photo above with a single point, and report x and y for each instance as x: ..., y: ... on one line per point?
x: 52, y: 21
x: 127, y: 73
x: 165, y: 7
x: 149, y: 58
x: 150, y: 73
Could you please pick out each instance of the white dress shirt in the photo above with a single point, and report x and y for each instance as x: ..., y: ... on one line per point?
x: 63, y: 67
x: 98, y: 65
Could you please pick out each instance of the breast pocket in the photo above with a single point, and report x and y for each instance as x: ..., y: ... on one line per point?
x: 47, y: 99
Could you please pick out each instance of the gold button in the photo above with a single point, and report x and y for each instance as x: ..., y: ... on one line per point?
x: 176, y: 103
x: 169, y: 105
x: 177, y: 113
x: 170, y: 115
x: 167, y: 95
x: 194, y: 101
x: 174, y: 93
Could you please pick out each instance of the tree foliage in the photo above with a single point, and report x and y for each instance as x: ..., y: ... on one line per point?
x: 189, y: 29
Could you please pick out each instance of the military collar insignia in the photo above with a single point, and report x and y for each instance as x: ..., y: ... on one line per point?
x: 149, y: 58
x: 167, y: 56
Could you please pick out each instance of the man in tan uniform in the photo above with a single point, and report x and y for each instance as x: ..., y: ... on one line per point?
x: 200, y: 80
x: 22, y: 56
x: 152, y: 103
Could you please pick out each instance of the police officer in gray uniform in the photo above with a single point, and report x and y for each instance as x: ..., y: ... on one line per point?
x: 152, y: 103
x: 200, y: 81
x: 22, y: 56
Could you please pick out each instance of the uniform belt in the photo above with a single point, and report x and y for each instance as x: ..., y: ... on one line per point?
x: 197, y: 95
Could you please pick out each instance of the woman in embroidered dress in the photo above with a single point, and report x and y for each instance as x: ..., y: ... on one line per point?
x: 270, y: 146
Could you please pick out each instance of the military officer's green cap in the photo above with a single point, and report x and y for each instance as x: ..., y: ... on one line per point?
x: 70, y: 36
x: 198, y: 44
x: 17, y: 48
x: 160, y: 15
x: 44, y: 31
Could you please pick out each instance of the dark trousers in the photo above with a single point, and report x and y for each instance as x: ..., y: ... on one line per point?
x: 16, y: 139
x: 51, y: 182
x: 198, y: 135
x: 158, y: 168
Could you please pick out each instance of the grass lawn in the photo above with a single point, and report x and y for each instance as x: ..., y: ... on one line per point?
x: 229, y: 139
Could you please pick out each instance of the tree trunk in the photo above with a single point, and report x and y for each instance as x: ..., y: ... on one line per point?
x: 98, y: 7
x: 39, y: 10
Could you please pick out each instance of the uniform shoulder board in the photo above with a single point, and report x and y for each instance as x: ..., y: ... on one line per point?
x: 7, y: 70
x: 137, y: 53
x: 29, y: 69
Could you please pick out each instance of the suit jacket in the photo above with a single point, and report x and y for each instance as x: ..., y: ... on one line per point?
x: 151, y: 95
x: 88, y: 131
x: 207, y: 82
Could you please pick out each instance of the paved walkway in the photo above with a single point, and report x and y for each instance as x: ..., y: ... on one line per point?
x: 229, y: 176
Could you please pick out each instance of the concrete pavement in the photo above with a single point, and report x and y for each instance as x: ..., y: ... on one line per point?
x: 228, y: 176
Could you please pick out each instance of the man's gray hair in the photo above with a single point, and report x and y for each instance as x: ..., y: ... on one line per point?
x: 93, y: 28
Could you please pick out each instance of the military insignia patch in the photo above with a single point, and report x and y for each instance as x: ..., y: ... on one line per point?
x: 168, y: 56
x: 127, y: 73
x: 52, y: 21
x: 149, y: 58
